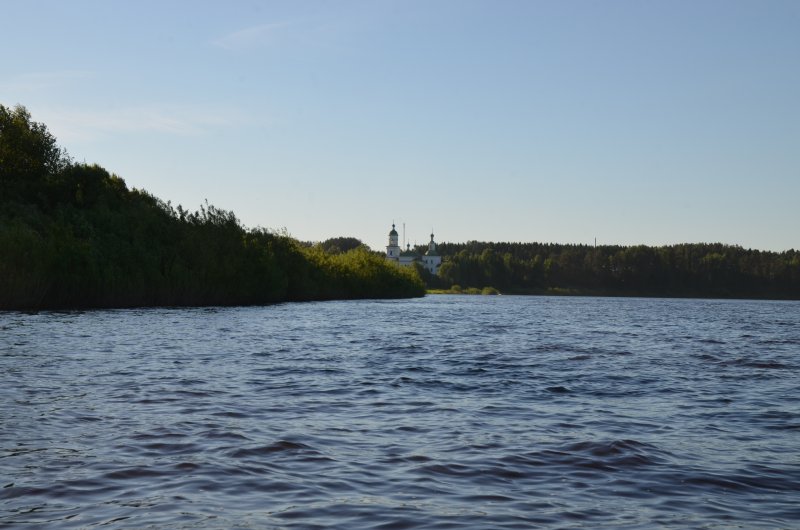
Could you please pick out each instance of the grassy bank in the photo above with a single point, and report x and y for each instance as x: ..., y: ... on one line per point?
x: 456, y: 289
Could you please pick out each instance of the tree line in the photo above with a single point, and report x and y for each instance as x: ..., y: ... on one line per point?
x: 696, y: 270
x: 73, y: 235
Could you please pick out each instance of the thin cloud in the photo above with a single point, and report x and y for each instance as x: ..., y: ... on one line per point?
x: 36, y: 81
x: 84, y: 125
x: 248, y: 38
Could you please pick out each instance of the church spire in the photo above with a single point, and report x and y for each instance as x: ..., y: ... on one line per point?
x: 393, y: 249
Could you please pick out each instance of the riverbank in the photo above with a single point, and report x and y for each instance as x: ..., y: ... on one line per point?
x: 703, y: 270
x: 74, y: 236
x: 486, y: 291
x: 569, y: 292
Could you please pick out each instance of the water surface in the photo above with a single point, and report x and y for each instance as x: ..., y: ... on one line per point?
x: 442, y: 412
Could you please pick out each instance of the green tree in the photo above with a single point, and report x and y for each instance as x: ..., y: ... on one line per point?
x: 28, y: 155
x: 73, y: 235
x: 338, y: 245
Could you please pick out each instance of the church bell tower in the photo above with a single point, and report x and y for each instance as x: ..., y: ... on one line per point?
x: 393, y: 249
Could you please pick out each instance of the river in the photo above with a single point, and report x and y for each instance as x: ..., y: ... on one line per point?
x: 440, y: 412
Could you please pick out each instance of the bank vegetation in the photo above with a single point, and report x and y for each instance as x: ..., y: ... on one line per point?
x: 712, y: 270
x: 73, y: 235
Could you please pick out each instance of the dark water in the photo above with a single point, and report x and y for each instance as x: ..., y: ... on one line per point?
x: 443, y: 412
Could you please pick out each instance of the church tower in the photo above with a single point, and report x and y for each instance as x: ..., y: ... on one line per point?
x: 393, y: 249
x: 431, y: 260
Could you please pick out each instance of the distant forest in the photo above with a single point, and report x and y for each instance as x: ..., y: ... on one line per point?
x: 74, y: 235
x: 686, y: 270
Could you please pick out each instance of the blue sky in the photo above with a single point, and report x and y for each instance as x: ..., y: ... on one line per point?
x: 626, y: 121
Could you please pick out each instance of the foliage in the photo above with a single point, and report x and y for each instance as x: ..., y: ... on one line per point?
x: 29, y: 155
x: 701, y: 270
x: 74, y: 235
x: 337, y: 245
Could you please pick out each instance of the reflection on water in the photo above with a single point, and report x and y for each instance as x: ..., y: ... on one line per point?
x: 442, y: 412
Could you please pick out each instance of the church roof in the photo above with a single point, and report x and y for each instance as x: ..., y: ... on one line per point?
x: 393, y: 232
x: 432, y: 248
x: 408, y: 253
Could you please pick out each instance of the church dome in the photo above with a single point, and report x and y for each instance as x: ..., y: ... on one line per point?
x: 408, y: 253
x: 432, y: 248
x: 393, y: 232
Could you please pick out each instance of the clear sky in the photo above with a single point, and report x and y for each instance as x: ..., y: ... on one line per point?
x: 651, y: 122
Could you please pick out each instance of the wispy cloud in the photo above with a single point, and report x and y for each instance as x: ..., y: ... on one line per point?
x: 249, y: 38
x: 37, y: 81
x: 85, y: 125
x: 81, y: 124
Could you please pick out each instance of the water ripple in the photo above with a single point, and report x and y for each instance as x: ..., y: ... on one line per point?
x: 444, y: 412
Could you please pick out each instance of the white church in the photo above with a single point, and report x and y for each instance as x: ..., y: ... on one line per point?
x: 431, y: 260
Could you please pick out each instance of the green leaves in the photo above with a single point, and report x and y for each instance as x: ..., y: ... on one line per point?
x: 28, y: 154
x: 73, y: 235
x: 701, y: 269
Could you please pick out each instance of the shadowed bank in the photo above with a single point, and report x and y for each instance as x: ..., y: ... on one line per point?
x: 73, y: 236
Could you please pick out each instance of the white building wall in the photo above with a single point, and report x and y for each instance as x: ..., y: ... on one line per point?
x: 393, y: 252
x: 432, y: 263
x: 406, y: 260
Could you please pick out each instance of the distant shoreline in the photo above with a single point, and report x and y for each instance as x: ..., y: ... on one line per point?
x: 578, y: 293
